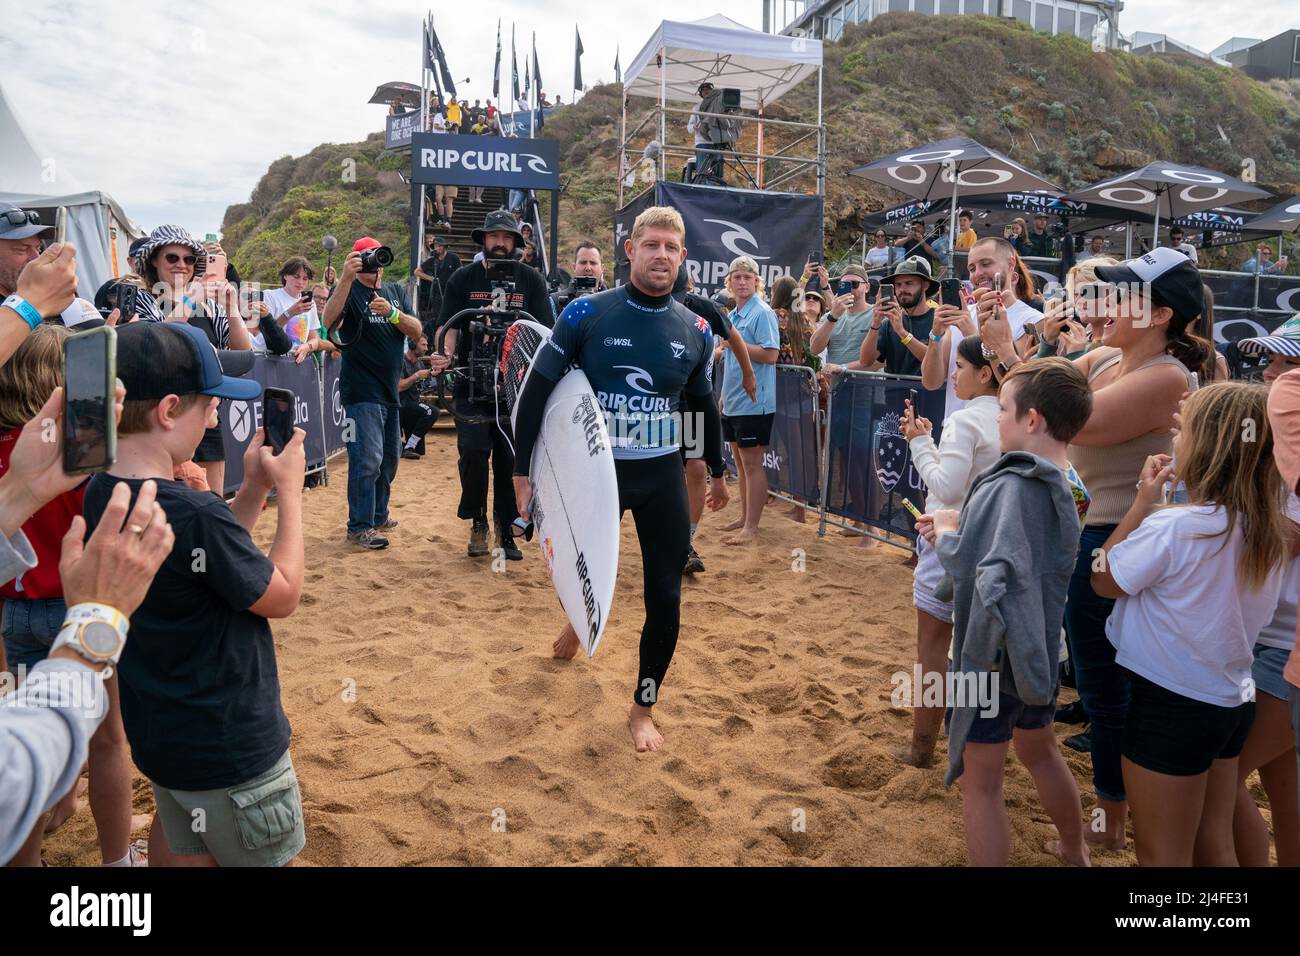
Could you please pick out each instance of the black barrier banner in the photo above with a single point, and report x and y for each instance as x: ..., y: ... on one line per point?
x: 446, y: 159
x: 623, y: 219
x: 398, y: 129
x: 779, y: 230
x: 239, y: 420
x: 869, y: 463
x: 791, y: 460
x: 333, y: 409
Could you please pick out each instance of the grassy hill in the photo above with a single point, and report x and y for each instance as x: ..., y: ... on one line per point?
x: 1048, y: 102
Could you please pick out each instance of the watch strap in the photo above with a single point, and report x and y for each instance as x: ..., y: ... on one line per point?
x: 78, y: 616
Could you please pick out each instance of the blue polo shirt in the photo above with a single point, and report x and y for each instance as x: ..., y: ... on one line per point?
x: 758, y: 326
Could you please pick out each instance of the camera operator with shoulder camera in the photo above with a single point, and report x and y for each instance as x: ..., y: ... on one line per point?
x: 588, y: 277
x: 714, y: 136
x: 472, y: 287
x: 417, y: 415
x: 373, y: 320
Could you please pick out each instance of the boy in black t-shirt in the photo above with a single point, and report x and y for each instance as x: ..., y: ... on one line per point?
x: 199, y: 688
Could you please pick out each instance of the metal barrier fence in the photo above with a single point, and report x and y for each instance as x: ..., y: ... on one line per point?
x: 849, y: 462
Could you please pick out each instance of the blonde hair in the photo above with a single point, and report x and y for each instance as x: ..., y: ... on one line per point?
x: 659, y: 217
x: 31, y: 374
x: 1220, y: 466
x: 760, y: 292
x: 1086, y: 271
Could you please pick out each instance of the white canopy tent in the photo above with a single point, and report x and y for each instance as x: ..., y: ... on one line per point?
x: 681, y: 55
x: 96, y: 224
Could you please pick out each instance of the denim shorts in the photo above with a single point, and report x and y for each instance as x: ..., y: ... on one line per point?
x: 30, y: 628
x: 255, y: 823
x: 1266, y: 672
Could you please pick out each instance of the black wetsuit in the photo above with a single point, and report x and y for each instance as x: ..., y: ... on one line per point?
x: 641, y: 354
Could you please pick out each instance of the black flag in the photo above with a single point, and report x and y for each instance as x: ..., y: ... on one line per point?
x: 577, y: 59
x: 537, y: 70
x: 429, y: 63
x: 618, y: 70
x: 441, y: 57
x: 514, y: 71
x: 496, y: 69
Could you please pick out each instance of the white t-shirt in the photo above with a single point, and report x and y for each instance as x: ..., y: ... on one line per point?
x: 1187, y: 624
x: 877, y: 257
x: 300, y: 326
x: 1018, y: 313
x: 1280, y: 632
x: 969, y: 444
x: 439, y: 123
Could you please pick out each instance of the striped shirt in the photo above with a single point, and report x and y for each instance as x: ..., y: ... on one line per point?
x: 147, y: 310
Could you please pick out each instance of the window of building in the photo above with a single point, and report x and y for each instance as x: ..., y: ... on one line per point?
x: 1043, y: 17
x: 1064, y: 20
x: 950, y: 6
x: 1022, y: 10
x: 1295, y: 58
x: 924, y: 6
x: 1087, y: 23
x: 974, y: 6
x: 902, y: 5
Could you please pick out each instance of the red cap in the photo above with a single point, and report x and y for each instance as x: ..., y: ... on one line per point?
x: 364, y: 243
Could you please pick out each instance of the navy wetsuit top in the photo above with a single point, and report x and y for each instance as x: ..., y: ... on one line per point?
x: 641, y: 353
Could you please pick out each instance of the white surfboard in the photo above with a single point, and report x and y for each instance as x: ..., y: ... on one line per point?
x: 575, y: 501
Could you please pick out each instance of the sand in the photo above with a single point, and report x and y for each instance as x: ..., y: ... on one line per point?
x: 432, y: 726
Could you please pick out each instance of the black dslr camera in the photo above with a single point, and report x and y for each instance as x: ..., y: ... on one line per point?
x: 578, y: 287
x: 372, y: 260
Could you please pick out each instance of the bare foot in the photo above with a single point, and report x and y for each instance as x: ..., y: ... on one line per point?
x: 566, y: 645
x: 1079, y: 857
x: 868, y: 542
x: 914, y: 758
x: 645, y: 735
x: 746, y: 536
x: 1106, y: 841
x: 735, y: 525
x: 797, y: 513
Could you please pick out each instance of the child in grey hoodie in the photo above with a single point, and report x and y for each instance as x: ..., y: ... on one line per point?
x: 1010, y: 560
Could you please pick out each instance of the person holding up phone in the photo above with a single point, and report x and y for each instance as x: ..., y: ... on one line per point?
x: 842, y: 330
x: 293, y: 308
x: 896, y: 339
x: 1078, y: 314
x: 33, y: 284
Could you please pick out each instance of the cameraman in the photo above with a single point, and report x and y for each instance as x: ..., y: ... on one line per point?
x: 586, y: 268
x: 434, y: 273
x: 417, y: 416
x: 373, y: 321
x: 713, y: 136
x: 470, y: 288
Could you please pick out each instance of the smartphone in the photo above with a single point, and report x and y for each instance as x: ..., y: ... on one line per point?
x: 997, y: 282
x: 911, y: 397
x: 277, y: 417
x: 306, y: 296
x: 886, y: 292
x: 950, y: 292
x: 1055, y: 294
x: 815, y: 258
x: 89, y: 386
x: 843, y: 287
x: 124, y: 300
x: 61, y: 224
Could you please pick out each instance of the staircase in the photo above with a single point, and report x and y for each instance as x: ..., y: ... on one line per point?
x: 466, y: 217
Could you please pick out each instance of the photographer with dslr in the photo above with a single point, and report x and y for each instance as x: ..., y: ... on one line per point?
x: 373, y: 321
x: 472, y: 287
x: 588, y: 276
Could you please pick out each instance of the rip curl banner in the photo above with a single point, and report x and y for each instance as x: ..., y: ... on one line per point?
x: 446, y: 159
x: 868, y: 460
x: 777, y: 230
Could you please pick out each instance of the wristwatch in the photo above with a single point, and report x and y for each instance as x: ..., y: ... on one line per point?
x: 1004, y: 368
x: 95, y: 631
x: 29, y: 313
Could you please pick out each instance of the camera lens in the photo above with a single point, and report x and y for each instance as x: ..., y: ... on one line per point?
x: 384, y: 256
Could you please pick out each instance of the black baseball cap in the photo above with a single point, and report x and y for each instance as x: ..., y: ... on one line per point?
x: 156, y: 359
x: 1168, y: 273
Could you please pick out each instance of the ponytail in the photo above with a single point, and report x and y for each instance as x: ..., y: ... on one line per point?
x: 1196, y: 353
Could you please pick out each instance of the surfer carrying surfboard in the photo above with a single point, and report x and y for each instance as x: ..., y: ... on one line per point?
x: 642, y: 352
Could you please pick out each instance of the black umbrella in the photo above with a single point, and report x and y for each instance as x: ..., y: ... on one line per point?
x: 1165, y: 190
x: 397, y: 92
x: 952, y: 168
x: 1284, y: 217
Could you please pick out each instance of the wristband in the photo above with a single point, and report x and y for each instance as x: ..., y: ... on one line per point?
x: 907, y: 339
x: 936, y: 338
x: 25, y: 309
x: 720, y: 473
x: 395, y: 316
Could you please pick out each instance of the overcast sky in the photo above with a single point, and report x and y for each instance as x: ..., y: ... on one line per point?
x: 177, y: 119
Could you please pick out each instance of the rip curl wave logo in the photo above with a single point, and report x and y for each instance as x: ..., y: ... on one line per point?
x: 735, y: 234
x: 536, y: 163
x: 637, y: 378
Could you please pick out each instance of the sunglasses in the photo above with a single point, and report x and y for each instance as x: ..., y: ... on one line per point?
x: 20, y: 217
x: 172, y: 258
x: 851, y: 283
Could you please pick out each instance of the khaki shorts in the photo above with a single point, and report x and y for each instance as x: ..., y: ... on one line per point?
x: 445, y: 192
x: 255, y: 823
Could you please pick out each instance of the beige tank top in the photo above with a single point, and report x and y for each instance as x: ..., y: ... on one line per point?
x: 1110, y: 474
